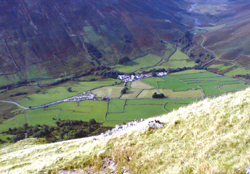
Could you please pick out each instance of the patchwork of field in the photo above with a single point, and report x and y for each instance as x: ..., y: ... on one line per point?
x: 180, y: 89
x: 145, y: 108
x: 61, y: 92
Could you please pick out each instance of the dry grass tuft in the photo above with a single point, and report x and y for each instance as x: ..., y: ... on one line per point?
x: 211, y: 136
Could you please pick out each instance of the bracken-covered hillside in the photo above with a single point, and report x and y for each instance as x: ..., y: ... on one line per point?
x: 46, y: 39
x: 211, y: 136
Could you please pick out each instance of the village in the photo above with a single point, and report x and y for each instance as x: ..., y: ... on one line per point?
x: 130, y: 78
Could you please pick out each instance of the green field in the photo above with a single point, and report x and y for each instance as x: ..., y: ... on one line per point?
x: 7, y: 80
x: 110, y: 91
x: 152, y: 81
x: 147, y: 93
x: 170, y: 83
x: 140, y: 84
x: 116, y: 105
x: 19, y: 120
x: 192, y: 71
x: 212, y: 90
x: 221, y: 67
x: 182, y: 94
x: 87, y: 110
x: 173, y: 106
x: 134, y: 65
x: 237, y: 71
x: 145, y: 108
x: 133, y: 112
x: 195, y: 76
x: 216, y: 79
x: 131, y: 94
x: 177, y: 64
x: 234, y: 87
x: 159, y: 101
x: 178, y: 55
x: 175, y: 84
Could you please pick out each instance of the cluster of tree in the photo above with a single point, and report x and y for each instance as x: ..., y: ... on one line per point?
x: 93, y: 51
x: 155, y: 95
x: 2, y: 141
x: 124, y: 90
x: 124, y: 60
x: 246, y: 76
x: 109, y: 74
x: 200, y: 66
x: 17, y: 85
x: 59, y: 81
x: 64, y: 129
x: 185, y: 40
x: 201, y: 56
x: 154, y: 70
x: 18, y: 94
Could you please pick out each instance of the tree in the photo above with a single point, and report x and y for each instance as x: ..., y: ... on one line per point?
x: 124, y: 90
x: 155, y: 95
x: 25, y: 126
x: 197, y: 60
x: 36, y: 129
x: 61, y: 135
x: 124, y: 60
x: 92, y: 121
x: 69, y: 89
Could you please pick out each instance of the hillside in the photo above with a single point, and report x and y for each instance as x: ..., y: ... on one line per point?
x: 51, y: 39
x: 211, y: 136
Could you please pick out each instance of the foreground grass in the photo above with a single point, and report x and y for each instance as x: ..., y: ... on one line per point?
x: 211, y: 136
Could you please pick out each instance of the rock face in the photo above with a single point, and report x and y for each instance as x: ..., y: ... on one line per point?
x: 46, y: 39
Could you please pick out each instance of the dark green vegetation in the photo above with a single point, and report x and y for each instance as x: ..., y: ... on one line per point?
x: 64, y: 130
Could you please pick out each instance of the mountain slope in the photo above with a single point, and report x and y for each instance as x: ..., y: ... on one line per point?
x: 211, y: 136
x: 47, y: 39
x: 232, y: 40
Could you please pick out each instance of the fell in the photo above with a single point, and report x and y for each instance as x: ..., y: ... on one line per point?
x: 211, y: 136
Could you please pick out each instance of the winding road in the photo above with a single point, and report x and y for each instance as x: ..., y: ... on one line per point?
x: 15, y: 103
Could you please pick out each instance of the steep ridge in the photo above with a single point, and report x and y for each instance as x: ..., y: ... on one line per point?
x: 211, y: 136
x: 231, y: 41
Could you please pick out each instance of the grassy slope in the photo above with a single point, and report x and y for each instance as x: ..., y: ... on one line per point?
x: 211, y: 136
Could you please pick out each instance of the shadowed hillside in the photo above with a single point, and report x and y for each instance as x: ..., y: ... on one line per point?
x: 207, y: 137
x: 47, y: 39
x: 232, y: 40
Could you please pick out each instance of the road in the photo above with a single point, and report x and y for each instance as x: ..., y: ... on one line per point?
x: 14, y: 103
